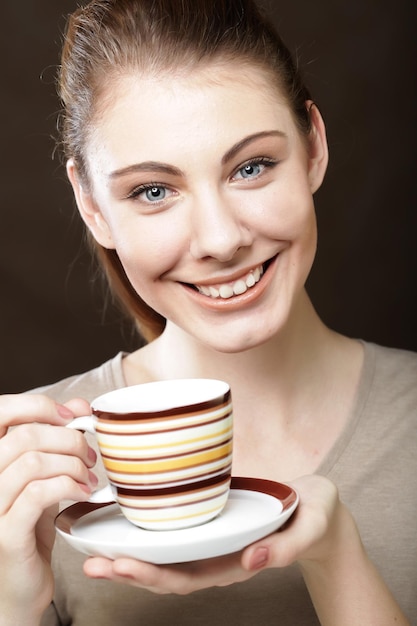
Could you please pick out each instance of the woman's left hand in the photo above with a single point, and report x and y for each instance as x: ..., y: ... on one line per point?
x: 304, y: 537
x: 322, y: 537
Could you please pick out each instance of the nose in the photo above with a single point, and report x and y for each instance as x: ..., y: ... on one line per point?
x: 218, y: 229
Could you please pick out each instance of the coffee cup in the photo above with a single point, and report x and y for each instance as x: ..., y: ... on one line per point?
x: 167, y: 450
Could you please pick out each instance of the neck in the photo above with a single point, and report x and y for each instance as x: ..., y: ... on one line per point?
x: 276, y: 366
x: 297, y: 388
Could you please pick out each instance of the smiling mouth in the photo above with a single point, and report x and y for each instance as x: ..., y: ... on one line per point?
x: 224, y: 291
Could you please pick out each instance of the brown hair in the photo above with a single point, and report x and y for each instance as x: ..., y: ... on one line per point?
x: 107, y: 38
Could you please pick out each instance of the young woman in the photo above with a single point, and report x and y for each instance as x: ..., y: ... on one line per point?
x: 194, y: 151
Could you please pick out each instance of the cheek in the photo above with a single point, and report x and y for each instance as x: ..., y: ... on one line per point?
x: 304, y: 235
x: 288, y: 213
x: 147, y: 249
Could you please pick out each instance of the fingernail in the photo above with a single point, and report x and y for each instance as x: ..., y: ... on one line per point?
x: 92, y: 478
x: 64, y: 412
x: 259, y: 558
x: 92, y: 456
x: 127, y: 576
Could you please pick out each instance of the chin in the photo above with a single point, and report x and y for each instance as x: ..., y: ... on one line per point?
x: 235, y: 343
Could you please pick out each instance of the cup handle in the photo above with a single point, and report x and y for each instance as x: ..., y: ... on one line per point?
x: 103, y: 496
x: 85, y: 423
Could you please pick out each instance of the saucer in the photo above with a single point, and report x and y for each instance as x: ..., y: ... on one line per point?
x: 255, y: 508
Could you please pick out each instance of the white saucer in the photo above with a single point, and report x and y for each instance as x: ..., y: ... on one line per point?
x: 255, y: 508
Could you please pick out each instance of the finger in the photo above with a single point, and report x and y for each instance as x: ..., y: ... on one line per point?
x: 283, y: 548
x: 308, y: 526
x: 35, y: 466
x: 21, y: 408
x: 138, y: 574
x: 44, y: 438
x: 38, y: 496
x: 180, y: 579
x: 78, y: 406
x: 280, y: 549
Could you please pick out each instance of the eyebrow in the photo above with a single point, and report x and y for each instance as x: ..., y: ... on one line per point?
x: 147, y: 166
x: 234, y: 150
x: 165, y: 168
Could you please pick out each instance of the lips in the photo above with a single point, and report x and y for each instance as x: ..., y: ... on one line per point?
x: 233, y: 288
x: 237, y: 287
x: 224, y: 298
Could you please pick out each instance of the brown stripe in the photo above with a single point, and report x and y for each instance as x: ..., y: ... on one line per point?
x: 170, y: 491
x: 66, y: 519
x: 192, y: 409
x: 278, y: 490
x: 176, y: 505
x: 126, y: 433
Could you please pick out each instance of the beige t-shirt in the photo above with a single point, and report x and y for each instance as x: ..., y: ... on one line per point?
x: 374, y: 465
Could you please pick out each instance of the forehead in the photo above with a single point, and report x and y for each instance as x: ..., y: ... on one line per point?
x: 148, y: 116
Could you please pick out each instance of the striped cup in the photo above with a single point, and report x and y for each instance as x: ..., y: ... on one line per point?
x: 167, y: 450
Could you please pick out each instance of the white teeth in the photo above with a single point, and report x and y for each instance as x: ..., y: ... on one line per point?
x: 226, y: 291
x: 232, y: 289
x: 239, y: 287
x: 250, y: 281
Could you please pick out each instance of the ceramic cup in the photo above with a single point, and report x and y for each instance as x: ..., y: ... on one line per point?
x: 167, y: 450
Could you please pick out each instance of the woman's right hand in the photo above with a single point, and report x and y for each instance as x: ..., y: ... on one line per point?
x: 41, y: 463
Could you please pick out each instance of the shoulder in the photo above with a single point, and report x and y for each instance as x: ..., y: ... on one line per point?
x: 393, y: 355
x: 88, y: 385
x: 390, y: 383
x: 395, y: 367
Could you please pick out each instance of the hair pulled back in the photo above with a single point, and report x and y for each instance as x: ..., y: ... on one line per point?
x: 108, y: 38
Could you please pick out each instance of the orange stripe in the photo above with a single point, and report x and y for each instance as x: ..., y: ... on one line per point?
x: 149, y: 466
x: 131, y: 481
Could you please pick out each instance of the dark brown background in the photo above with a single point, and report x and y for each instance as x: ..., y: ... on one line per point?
x: 360, y: 61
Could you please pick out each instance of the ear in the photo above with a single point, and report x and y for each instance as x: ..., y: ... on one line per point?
x: 89, y: 211
x: 318, y: 149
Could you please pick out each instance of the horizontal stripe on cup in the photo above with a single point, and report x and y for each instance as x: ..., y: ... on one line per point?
x: 158, y: 442
x: 162, y: 424
x: 182, y: 454
x: 153, y: 455
x: 198, y: 407
x: 154, y: 503
x: 182, y: 515
x: 169, y: 478
x: 196, y: 485
x: 164, y: 464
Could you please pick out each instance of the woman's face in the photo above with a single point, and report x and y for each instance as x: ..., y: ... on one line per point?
x: 203, y: 185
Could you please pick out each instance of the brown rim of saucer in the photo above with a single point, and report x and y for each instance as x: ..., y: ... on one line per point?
x: 285, y: 494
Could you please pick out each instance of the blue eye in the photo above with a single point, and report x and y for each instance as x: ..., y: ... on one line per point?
x: 254, y: 169
x: 155, y: 193
x: 250, y: 170
x: 150, y: 193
